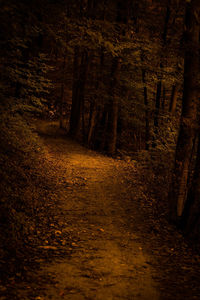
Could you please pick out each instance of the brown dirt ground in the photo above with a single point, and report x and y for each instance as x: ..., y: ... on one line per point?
x: 108, y: 245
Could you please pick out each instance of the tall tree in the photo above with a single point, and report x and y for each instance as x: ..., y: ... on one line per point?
x: 80, y: 70
x: 191, y: 214
x: 62, y: 92
x: 147, y: 127
x: 113, y: 106
x: 173, y: 100
x: 159, y: 83
x: 179, y: 186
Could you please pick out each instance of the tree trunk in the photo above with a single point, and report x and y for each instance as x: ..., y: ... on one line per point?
x: 113, y: 114
x: 92, y: 122
x: 147, y: 129
x: 159, y: 83
x: 158, y: 99
x: 167, y: 16
x: 113, y: 107
x: 123, y: 10
x: 62, y: 94
x: 91, y: 6
x: 93, y: 106
x: 157, y: 111
x: 179, y: 188
x: 76, y: 106
x: 163, y: 97
x: 104, y: 121
x: 192, y: 208
x: 104, y: 10
x: 78, y: 92
x: 174, y: 96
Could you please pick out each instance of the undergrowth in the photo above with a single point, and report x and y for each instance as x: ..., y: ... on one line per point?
x: 23, y: 186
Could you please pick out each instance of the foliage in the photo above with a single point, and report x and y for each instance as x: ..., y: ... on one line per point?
x: 19, y: 153
x: 38, y: 56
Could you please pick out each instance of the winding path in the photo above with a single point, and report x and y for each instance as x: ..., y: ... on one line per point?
x: 96, y: 195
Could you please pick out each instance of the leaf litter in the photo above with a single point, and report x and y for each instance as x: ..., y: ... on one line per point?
x: 153, y: 253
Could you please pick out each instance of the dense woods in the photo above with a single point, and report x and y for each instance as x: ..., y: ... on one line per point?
x: 122, y: 78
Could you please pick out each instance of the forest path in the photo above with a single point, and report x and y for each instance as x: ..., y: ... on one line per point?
x: 108, y: 259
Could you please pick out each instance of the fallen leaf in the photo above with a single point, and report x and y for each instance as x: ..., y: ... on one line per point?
x: 74, y: 244
x: 62, y: 293
x: 48, y: 247
x: 58, y: 232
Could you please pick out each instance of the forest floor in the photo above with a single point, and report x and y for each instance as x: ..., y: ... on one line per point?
x: 101, y: 241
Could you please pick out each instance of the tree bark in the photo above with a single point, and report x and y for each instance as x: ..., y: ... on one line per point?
x: 62, y: 94
x: 157, y: 111
x: 167, y: 16
x: 91, y: 6
x: 123, y: 11
x: 157, y: 107
x: 192, y: 208
x: 94, y: 107
x: 159, y: 83
x: 147, y: 128
x: 179, y: 188
x: 75, y: 109
x: 113, y: 114
x: 78, y: 91
x: 92, y: 122
x: 104, y: 10
x: 174, y: 96
x: 113, y: 107
x: 104, y: 121
x: 163, y: 97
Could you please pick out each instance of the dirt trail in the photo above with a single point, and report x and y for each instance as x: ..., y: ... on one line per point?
x: 98, y: 227
x: 107, y: 261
